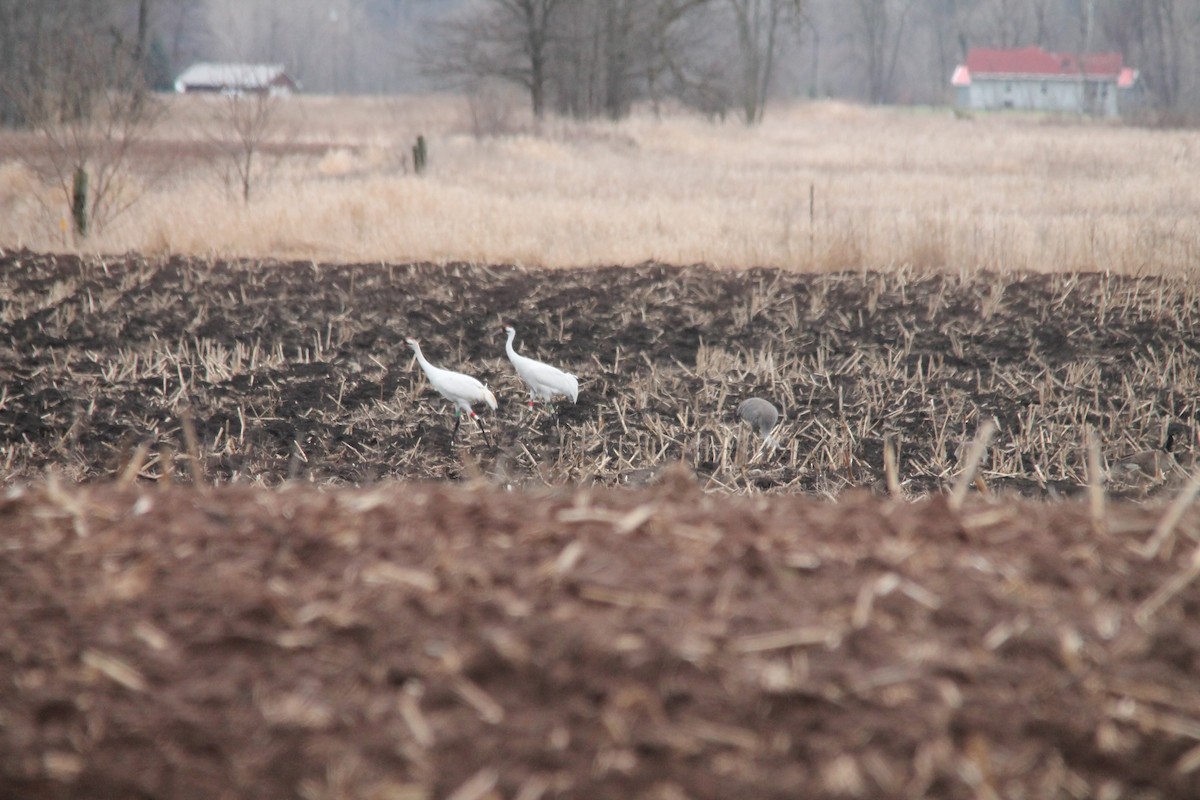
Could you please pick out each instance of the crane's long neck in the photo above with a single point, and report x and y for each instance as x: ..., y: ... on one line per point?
x: 509, y: 344
x: 425, y: 365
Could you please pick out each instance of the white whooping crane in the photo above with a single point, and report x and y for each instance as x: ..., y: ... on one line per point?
x: 544, y: 381
x: 460, y: 389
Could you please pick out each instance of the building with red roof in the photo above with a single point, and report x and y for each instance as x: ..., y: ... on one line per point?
x: 1032, y: 78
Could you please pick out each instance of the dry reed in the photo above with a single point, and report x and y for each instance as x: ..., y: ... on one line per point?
x: 820, y: 186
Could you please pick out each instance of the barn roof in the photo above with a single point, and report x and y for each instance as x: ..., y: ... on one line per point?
x: 233, y: 76
x: 1034, y: 62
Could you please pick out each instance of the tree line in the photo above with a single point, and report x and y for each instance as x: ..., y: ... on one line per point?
x: 585, y: 58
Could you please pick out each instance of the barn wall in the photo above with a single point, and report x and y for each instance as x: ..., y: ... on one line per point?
x: 1064, y: 96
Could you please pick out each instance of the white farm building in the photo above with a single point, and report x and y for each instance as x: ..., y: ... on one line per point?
x: 236, y: 79
x: 1034, y: 79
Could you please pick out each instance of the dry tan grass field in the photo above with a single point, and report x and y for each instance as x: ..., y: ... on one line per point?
x: 241, y: 554
x: 819, y: 186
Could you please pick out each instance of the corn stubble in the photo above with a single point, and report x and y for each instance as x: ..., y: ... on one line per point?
x: 297, y: 371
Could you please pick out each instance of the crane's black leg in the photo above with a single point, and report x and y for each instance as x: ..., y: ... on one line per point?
x: 457, y: 422
x: 479, y: 422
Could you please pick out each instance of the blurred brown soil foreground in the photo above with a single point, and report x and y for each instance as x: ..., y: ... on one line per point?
x: 461, y: 641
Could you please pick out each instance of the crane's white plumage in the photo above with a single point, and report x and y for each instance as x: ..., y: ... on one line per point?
x: 544, y: 381
x: 460, y: 389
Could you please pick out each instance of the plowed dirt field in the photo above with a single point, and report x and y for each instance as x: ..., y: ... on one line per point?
x: 317, y: 593
x: 300, y: 370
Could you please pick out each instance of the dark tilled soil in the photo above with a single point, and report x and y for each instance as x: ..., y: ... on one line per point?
x: 418, y: 639
x: 297, y: 370
x: 433, y: 641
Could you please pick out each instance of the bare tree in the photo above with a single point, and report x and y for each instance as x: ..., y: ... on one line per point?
x: 244, y: 124
x: 37, y: 40
x: 331, y: 46
x: 181, y: 26
x: 580, y: 57
x: 34, y: 37
x: 1043, y: 14
x: 950, y: 32
x: 598, y: 55
x: 622, y: 43
x: 578, y: 78
x: 509, y: 39
x: 608, y: 54
x: 1157, y: 35
x: 685, y: 58
x: 880, y: 35
x: 16, y: 32
x: 758, y: 24
x: 1010, y: 22
x: 83, y: 91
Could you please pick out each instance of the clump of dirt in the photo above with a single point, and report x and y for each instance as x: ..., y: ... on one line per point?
x: 299, y: 370
x: 417, y: 640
